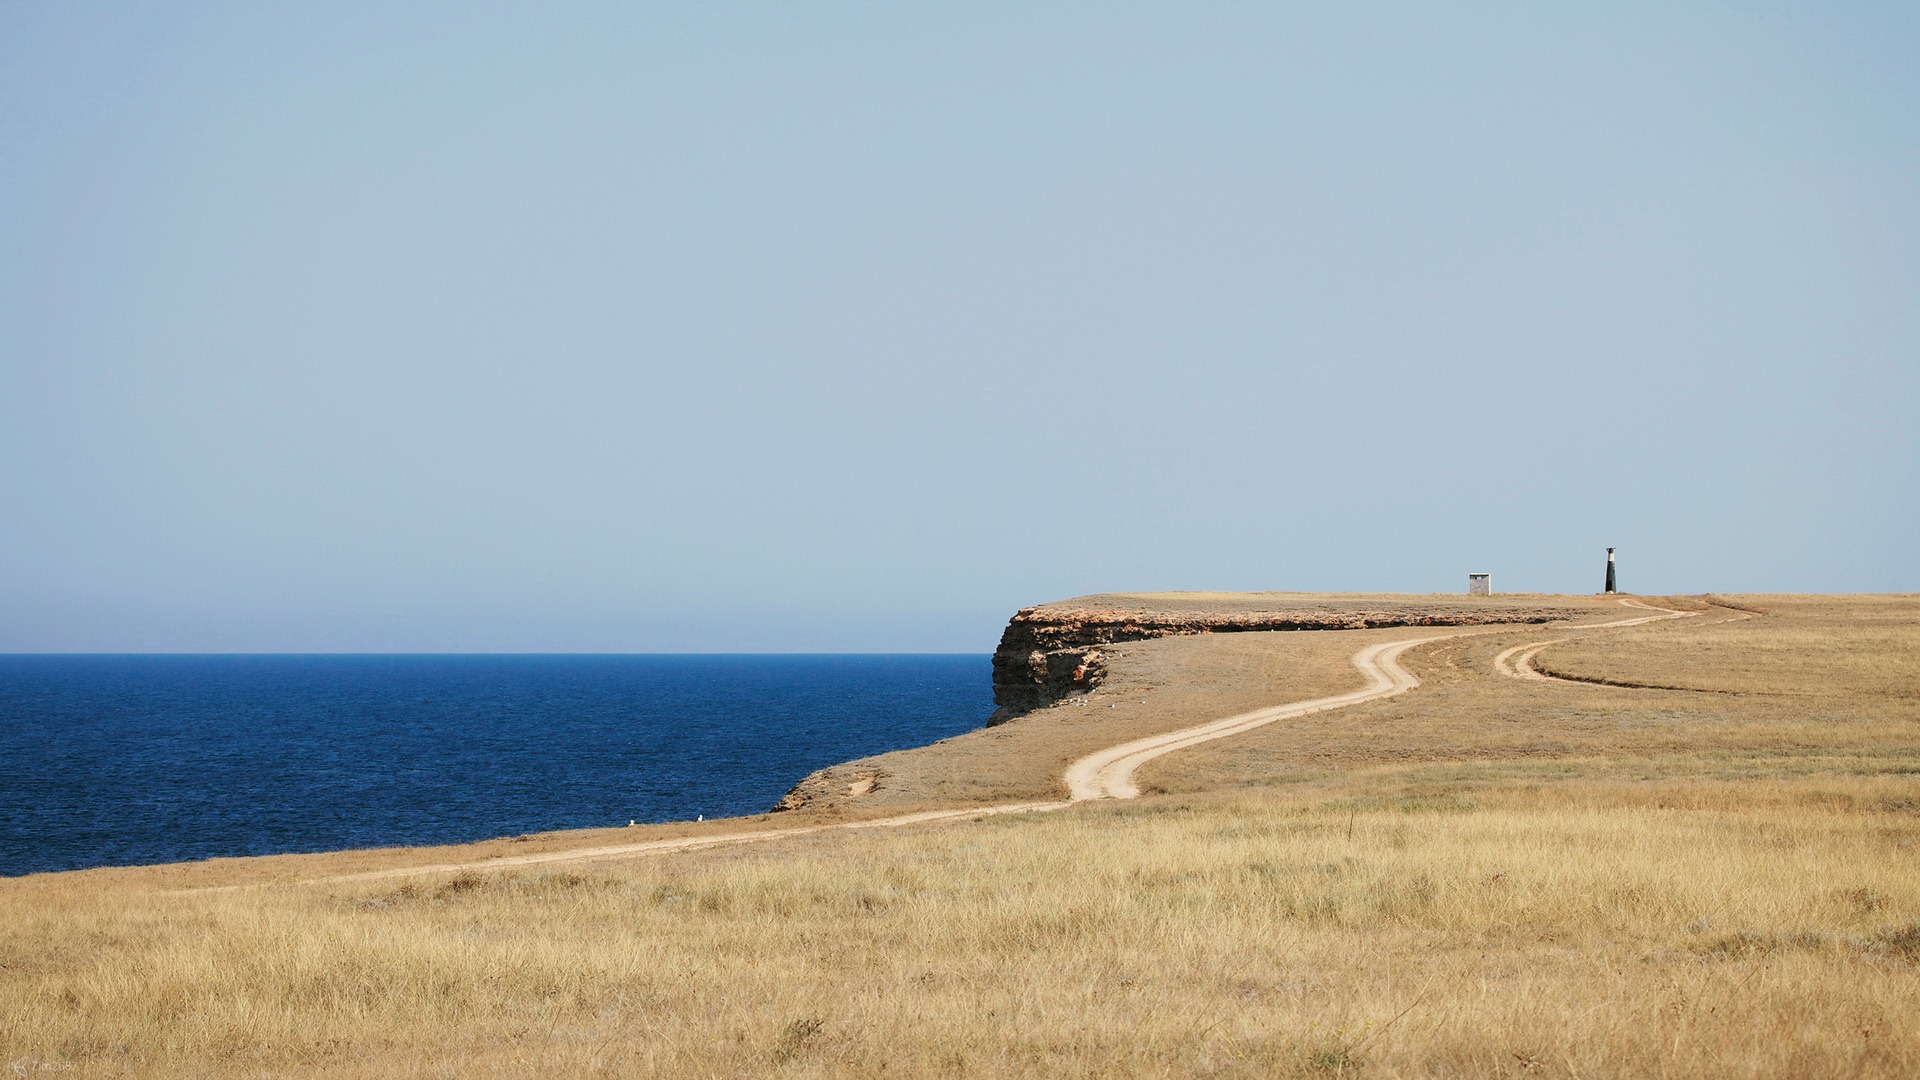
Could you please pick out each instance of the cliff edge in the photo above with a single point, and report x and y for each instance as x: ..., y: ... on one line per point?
x: 1052, y: 651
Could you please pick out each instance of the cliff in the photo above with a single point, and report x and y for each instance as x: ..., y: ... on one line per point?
x: 1055, y: 651
x: 1052, y: 651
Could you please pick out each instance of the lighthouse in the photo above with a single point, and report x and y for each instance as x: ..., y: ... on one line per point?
x: 1610, y: 587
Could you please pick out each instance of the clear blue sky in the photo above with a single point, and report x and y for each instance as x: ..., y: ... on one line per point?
x: 778, y: 327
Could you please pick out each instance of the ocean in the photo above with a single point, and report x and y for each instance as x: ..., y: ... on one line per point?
x: 122, y: 760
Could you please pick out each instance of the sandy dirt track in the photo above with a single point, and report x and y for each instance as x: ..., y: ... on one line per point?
x: 1108, y: 774
x: 1517, y: 662
x: 1104, y: 774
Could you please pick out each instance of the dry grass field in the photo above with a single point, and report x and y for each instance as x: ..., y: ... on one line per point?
x: 1483, y: 877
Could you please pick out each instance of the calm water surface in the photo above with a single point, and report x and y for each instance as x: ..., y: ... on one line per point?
x: 111, y: 760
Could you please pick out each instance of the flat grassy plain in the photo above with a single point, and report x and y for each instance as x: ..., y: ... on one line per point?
x: 1483, y: 877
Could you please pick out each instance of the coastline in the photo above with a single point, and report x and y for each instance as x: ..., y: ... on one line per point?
x: 1304, y: 867
x: 1166, y: 661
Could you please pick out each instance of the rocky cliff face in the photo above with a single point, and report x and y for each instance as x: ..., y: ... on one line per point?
x: 1053, y: 651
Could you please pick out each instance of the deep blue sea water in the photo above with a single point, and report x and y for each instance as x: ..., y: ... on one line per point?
x: 116, y: 760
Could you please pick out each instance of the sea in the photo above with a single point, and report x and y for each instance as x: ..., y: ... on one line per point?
x: 126, y: 760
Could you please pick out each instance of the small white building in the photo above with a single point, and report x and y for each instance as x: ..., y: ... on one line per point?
x: 1479, y: 584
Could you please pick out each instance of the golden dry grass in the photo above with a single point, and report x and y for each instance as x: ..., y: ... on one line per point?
x: 1484, y: 877
x: 1820, y: 692
x: 1859, y: 651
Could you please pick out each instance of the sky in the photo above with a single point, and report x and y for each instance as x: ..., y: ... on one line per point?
x: 779, y: 327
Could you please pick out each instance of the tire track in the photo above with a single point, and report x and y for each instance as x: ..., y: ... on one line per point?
x: 1103, y: 774
x: 1517, y: 662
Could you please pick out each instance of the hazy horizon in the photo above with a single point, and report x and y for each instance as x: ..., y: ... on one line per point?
x: 758, y: 330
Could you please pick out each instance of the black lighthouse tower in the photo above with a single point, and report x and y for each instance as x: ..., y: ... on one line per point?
x: 1610, y: 587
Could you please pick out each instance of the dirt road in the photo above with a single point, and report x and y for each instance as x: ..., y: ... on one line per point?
x: 1108, y: 774
x: 1517, y: 662
x: 1105, y: 774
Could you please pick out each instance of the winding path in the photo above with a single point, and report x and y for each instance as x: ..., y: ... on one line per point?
x: 1517, y: 662
x: 1104, y: 774
x: 1108, y: 774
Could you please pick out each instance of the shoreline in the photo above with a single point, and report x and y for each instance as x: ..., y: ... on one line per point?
x: 845, y: 793
x: 1558, y: 855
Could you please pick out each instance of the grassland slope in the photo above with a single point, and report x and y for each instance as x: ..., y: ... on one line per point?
x: 1486, y: 876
